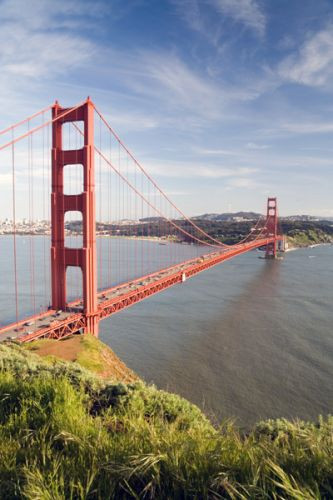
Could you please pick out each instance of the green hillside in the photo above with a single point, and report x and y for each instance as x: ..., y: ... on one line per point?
x: 67, y: 433
x: 307, y: 237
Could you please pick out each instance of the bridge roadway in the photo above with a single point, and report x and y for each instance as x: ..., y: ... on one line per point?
x: 60, y: 324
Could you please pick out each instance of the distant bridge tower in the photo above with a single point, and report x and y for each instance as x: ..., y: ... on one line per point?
x: 84, y: 257
x: 272, y: 226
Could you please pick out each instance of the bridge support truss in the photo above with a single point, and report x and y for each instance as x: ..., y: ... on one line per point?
x: 61, y: 256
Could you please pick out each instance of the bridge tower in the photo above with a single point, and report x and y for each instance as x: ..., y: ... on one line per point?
x: 84, y: 257
x: 272, y: 224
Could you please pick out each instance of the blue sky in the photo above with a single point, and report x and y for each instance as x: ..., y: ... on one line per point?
x: 223, y: 101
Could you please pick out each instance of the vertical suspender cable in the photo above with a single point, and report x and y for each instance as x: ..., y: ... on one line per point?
x: 129, y: 226
x: 30, y: 220
x: 136, y: 217
x: 109, y: 217
x: 118, y: 219
x: 14, y: 228
x: 43, y: 208
x: 68, y: 272
x: 100, y: 274
x: 33, y: 215
x: 49, y: 192
x: 79, y: 237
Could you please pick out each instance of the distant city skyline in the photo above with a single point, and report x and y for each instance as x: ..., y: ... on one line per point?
x: 224, y: 102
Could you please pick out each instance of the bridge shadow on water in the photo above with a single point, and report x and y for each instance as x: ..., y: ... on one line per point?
x: 238, y: 343
x: 217, y: 337
x: 256, y: 357
x: 237, y: 340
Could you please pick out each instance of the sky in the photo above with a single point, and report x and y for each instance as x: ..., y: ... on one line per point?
x: 225, y: 102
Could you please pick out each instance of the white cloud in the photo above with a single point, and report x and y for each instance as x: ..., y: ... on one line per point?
x: 312, y: 64
x: 190, y: 170
x: 166, y: 77
x: 163, y: 81
x: 40, y: 54
x: 196, y: 16
x: 132, y: 121
x: 6, y: 180
x: 37, y: 46
x: 209, y: 22
x: 157, y: 194
x: 242, y: 182
x: 246, y: 12
x: 63, y: 13
x: 214, y: 152
x: 324, y: 212
x: 253, y: 145
x: 310, y: 127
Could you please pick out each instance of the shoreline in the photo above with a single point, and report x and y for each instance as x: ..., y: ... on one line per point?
x: 155, y: 239
x: 292, y: 249
x: 152, y: 239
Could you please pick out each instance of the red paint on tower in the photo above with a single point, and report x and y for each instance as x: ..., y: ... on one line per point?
x: 85, y: 257
x: 271, y: 226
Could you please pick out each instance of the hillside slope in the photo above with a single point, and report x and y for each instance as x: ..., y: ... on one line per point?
x: 299, y: 238
x: 67, y: 433
x: 88, y: 352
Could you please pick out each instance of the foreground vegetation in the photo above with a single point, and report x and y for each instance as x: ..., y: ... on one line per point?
x: 66, y: 433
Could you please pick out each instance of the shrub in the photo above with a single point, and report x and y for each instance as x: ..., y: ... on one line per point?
x: 66, y: 434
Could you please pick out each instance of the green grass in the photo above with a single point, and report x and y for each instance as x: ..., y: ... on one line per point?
x: 67, y: 434
x: 90, y: 356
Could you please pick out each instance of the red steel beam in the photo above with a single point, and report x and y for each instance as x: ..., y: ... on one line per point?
x: 76, y: 322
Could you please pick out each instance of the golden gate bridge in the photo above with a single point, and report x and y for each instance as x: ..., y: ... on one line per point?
x: 72, y: 164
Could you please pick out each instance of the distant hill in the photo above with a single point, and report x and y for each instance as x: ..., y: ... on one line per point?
x: 151, y: 219
x: 239, y: 216
x: 228, y: 216
x: 309, y: 218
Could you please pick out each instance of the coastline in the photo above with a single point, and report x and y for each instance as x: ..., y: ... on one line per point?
x: 155, y: 239
x: 292, y: 249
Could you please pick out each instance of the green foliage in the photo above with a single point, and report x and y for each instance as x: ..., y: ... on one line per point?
x: 306, y: 237
x: 90, y: 356
x: 66, y: 434
x: 306, y: 233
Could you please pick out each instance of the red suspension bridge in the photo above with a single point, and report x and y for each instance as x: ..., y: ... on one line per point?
x: 61, y: 278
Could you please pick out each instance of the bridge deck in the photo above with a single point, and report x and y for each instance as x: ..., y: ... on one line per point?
x: 59, y: 324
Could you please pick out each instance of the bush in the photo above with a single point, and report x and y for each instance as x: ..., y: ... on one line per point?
x: 66, y: 434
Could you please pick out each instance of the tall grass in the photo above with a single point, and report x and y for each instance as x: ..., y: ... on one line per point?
x: 65, y: 434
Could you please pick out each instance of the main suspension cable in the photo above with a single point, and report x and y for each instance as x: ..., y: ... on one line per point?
x: 152, y: 180
x: 22, y: 122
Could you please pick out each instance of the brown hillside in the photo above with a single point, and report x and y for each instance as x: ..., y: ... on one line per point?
x: 89, y: 352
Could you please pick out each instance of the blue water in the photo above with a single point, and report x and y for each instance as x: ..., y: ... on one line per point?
x: 248, y: 339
